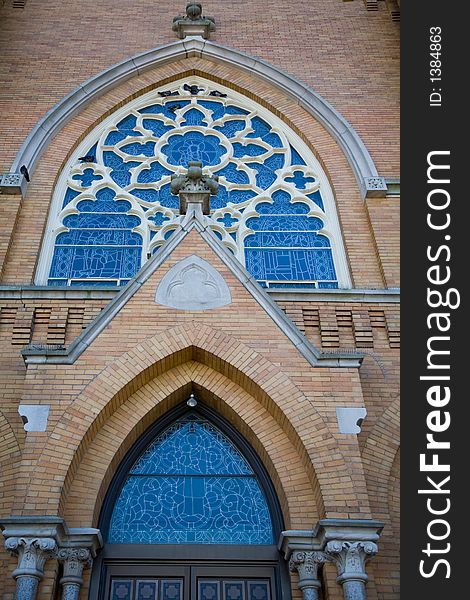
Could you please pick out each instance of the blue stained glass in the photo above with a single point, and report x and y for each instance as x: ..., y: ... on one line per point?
x: 234, y: 590
x: 145, y: 194
x: 236, y: 110
x: 147, y: 590
x: 316, y: 197
x: 217, y: 108
x: 156, y: 126
x: 221, y: 199
x: 172, y: 590
x: 264, y: 176
x: 59, y: 282
x: 239, y: 196
x: 258, y: 590
x: 120, y: 173
x: 194, y: 117
x: 155, y: 173
x: 231, y: 128
x: 218, y: 234
x: 159, y: 109
x: 92, y: 237
x: 300, y: 180
x: 137, y: 149
x: 168, y: 234
x: 329, y: 285
x: 80, y: 262
x: 282, y: 205
x: 273, y: 140
x: 260, y: 127
x: 166, y: 198
x: 101, y: 220
x: 69, y: 196
x: 284, y: 223
x: 274, y: 162
x: 87, y: 177
x: 191, y: 485
x: 104, y: 206
x: 233, y: 174
x: 296, y: 159
x: 286, y: 240
x: 158, y: 219
x: 250, y: 150
x: 193, y: 145
x: 293, y: 265
x: 125, y: 128
x: 227, y: 220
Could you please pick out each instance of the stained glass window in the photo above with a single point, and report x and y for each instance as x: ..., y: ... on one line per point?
x: 191, y: 486
x: 113, y: 207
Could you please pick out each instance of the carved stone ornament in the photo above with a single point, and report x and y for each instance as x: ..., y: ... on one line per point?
x: 32, y: 554
x: 194, y: 22
x: 350, y: 559
x: 193, y: 186
x: 75, y: 560
x: 193, y: 284
x: 13, y: 184
x: 306, y: 564
x: 375, y: 187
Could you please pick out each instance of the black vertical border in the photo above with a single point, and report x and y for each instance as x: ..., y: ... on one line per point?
x: 425, y: 129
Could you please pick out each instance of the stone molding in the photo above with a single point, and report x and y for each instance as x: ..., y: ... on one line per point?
x: 362, y: 165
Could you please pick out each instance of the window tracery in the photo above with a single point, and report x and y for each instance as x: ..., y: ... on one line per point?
x: 113, y: 208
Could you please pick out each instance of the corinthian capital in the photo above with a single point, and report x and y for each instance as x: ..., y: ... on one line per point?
x: 351, y: 557
x: 32, y: 554
x: 75, y: 560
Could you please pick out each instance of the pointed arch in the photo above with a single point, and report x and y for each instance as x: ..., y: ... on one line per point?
x: 338, y: 127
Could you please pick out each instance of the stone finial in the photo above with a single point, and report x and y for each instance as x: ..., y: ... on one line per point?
x: 194, y: 187
x: 194, y: 22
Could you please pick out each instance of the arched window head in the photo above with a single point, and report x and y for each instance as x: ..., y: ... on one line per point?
x: 191, y: 485
x: 112, y: 207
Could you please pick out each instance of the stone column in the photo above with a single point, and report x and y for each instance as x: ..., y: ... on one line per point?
x: 306, y: 564
x: 32, y: 552
x: 350, y: 559
x: 74, y: 561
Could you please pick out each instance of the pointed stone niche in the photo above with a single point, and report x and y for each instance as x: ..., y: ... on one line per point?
x: 193, y: 284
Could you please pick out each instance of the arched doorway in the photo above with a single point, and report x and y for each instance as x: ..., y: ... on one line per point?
x: 190, y: 514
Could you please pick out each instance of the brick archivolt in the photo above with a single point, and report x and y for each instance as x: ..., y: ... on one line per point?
x: 292, y: 478
x: 337, y: 483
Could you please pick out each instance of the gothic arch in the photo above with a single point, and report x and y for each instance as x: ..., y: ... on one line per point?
x: 315, y: 442
x: 347, y: 138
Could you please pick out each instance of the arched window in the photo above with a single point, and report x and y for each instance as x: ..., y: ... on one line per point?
x: 190, y: 513
x: 112, y: 207
x: 191, y: 486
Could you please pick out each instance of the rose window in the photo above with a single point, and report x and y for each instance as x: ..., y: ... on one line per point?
x: 112, y: 207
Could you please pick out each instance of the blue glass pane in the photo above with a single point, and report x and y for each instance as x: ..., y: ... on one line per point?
x: 198, y: 510
x: 284, y: 223
x: 239, y: 196
x: 194, y: 117
x: 147, y: 590
x: 260, y: 127
x: 300, y: 180
x: 221, y: 199
x: 120, y: 169
x: 87, y: 177
x: 329, y: 285
x: 282, y: 205
x: 101, y: 220
x: 193, y: 145
x: 233, y: 175
x: 258, y: 590
x: 155, y: 173
x: 217, y: 108
x: 125, y: 128
x: 250, y: 150
x: 92, y: 237
x: 234, y: 590
x: 192, y: 448
x: 145, y: 194
x: 69, y: 196
x: 158, y: 219
x: 137, y: 149
x: 95, y: 283
x: 191, y: 485
x: 290, y: 265
x: 286, y: 240
x: 80, y: 262
x: 300, y: 285
x: 231, y: 128
x: 158, y: 109
x: 296, y: 159
x: 111, y: 206
x: 236, y: 110
x: 316, y: 197
x: 156, y: 126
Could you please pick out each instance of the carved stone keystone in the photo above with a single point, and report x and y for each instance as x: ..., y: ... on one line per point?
x: 194, y: 187
x: 194, y: 22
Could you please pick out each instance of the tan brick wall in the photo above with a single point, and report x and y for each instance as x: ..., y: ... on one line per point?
x: 148, y: 357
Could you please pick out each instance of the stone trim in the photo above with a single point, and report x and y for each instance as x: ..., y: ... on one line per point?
x: 55, y: 119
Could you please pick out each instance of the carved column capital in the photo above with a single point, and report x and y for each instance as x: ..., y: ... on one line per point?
x: 306, y: 564
x: 32, y: 552
x: 350, y: 559
x: 74, y: 560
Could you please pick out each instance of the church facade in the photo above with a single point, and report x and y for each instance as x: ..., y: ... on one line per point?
x: 199, y: 301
